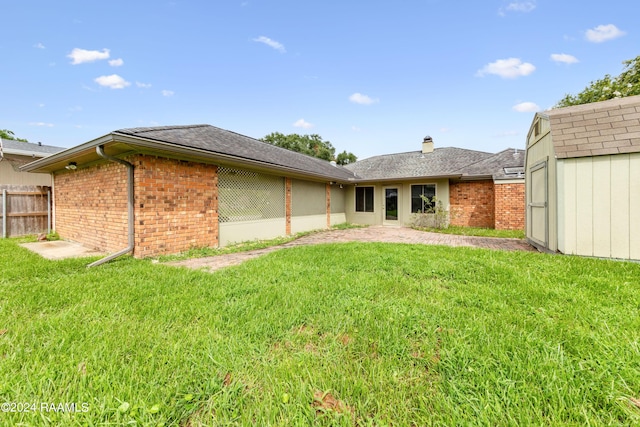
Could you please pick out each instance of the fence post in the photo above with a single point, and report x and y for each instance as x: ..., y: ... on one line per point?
x: 4, y: 213
x: 48, y: 211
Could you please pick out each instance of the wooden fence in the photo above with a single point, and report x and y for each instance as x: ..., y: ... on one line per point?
x: 24, y: 210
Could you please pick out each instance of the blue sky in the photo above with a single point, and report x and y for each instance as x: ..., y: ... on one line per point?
x: 372, y: 77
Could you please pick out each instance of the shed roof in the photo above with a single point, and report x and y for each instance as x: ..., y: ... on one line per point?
x: 599, y: 128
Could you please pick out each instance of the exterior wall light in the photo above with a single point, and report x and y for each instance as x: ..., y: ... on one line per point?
x: 71, y: 166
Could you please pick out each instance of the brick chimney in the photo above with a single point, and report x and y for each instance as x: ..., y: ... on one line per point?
x: 427, y: 145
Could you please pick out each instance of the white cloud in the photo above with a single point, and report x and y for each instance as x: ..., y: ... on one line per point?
x: 563, y: 57
x: 116, y: 62
x: 113, y: 81
x: 143, y: 85
x: 507, y: 68
x: 520, y: 6
x: 358, y: 98
x: 271, y: 43
x: 355, y: 129
x: 80, y: 56
x: 41, y: 105
x: 302, y: 123
x: 39, y: 46
x: 445, y: 130
x: 526, y: 107
x: 603, y: 33
x: 41, y: 124
x: 167, y: 92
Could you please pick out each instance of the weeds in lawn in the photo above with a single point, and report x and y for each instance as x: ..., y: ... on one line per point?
x: 250, y: 245
x: 475, y: 231
x: 328, y: 335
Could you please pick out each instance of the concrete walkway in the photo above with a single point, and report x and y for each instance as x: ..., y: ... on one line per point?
x: 369, y: 234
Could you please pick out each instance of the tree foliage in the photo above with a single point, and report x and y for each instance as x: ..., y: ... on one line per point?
x: 626, y: 84
x: 7, y: 134
x: 311, y: 145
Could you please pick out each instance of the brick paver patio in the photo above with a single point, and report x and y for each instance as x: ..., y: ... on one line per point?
x: 368, y: 234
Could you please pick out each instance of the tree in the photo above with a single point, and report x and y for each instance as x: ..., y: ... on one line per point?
x: 626, y: 84
x: 311, y: 145
x: 345, y: 158
x: 7, y: 134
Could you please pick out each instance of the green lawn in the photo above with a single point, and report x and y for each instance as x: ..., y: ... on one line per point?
x: 476, y: 231
x: 347, y: 334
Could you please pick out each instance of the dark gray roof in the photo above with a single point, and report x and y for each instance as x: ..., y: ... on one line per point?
x: 510, y: 159
x: 28, y: 149
x: 448, y: 161
x: 216, y: 140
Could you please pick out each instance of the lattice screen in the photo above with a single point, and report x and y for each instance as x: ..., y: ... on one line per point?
x: 245, y: 195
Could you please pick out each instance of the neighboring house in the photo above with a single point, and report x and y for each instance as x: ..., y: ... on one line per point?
x: 478, y: 189
x: 24, y: 197
x: 166, y: 189
x: 14, y: 154
x: 583, y: 179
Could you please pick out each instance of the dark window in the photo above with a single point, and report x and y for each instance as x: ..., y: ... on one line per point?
x: 364, y: 199
x: 418, y: 204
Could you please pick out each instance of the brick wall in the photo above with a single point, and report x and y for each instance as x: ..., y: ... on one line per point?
x: 472, y: 204
x: 176, y: 205
x: 510, y: 206
x: 91, y: 206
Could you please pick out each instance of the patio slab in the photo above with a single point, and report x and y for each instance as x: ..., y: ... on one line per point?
x: 60, y: 249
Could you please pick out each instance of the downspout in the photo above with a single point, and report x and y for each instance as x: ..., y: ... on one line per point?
x: 130, y: 203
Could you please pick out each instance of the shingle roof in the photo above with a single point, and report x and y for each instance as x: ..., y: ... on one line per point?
x: 503, y: 165
x: 216, y: 140
x: 28, y: 148
x: 599, y: 128
x: 448, y: 161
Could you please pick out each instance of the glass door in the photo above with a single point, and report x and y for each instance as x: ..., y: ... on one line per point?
x: 390, y: 204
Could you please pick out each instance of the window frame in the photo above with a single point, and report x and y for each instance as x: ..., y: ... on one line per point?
x: 423, y: 205
x: 363, y: 205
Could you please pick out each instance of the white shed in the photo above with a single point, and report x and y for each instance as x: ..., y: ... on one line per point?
x: 582, y: 171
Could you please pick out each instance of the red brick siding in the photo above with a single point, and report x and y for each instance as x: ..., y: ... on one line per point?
x: 176, y: 205
x: 510, y: 203
x: 91, y: 206
x: 472, y: 204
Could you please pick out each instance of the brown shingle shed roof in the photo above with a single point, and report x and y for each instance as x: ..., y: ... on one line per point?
x: 599, y: 128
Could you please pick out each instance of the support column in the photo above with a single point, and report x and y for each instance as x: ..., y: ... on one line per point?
x: 328, y: 186
x: 287, y: 204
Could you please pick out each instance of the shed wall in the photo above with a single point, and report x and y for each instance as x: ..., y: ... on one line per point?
x: 540, y: 150
x: 601, y: 202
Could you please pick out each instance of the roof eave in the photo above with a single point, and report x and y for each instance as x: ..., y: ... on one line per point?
x: 55, y: 161
x: 404, y: 178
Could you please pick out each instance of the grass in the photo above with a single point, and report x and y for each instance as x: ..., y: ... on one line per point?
x: 358, y: 334
x: 249, y: 245
x: 476, y: 231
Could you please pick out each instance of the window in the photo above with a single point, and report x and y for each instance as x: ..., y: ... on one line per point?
x: 418, y: 204
x: 364, y: 199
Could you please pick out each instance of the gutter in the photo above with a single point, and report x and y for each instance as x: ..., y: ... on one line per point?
x: 130, y: 203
